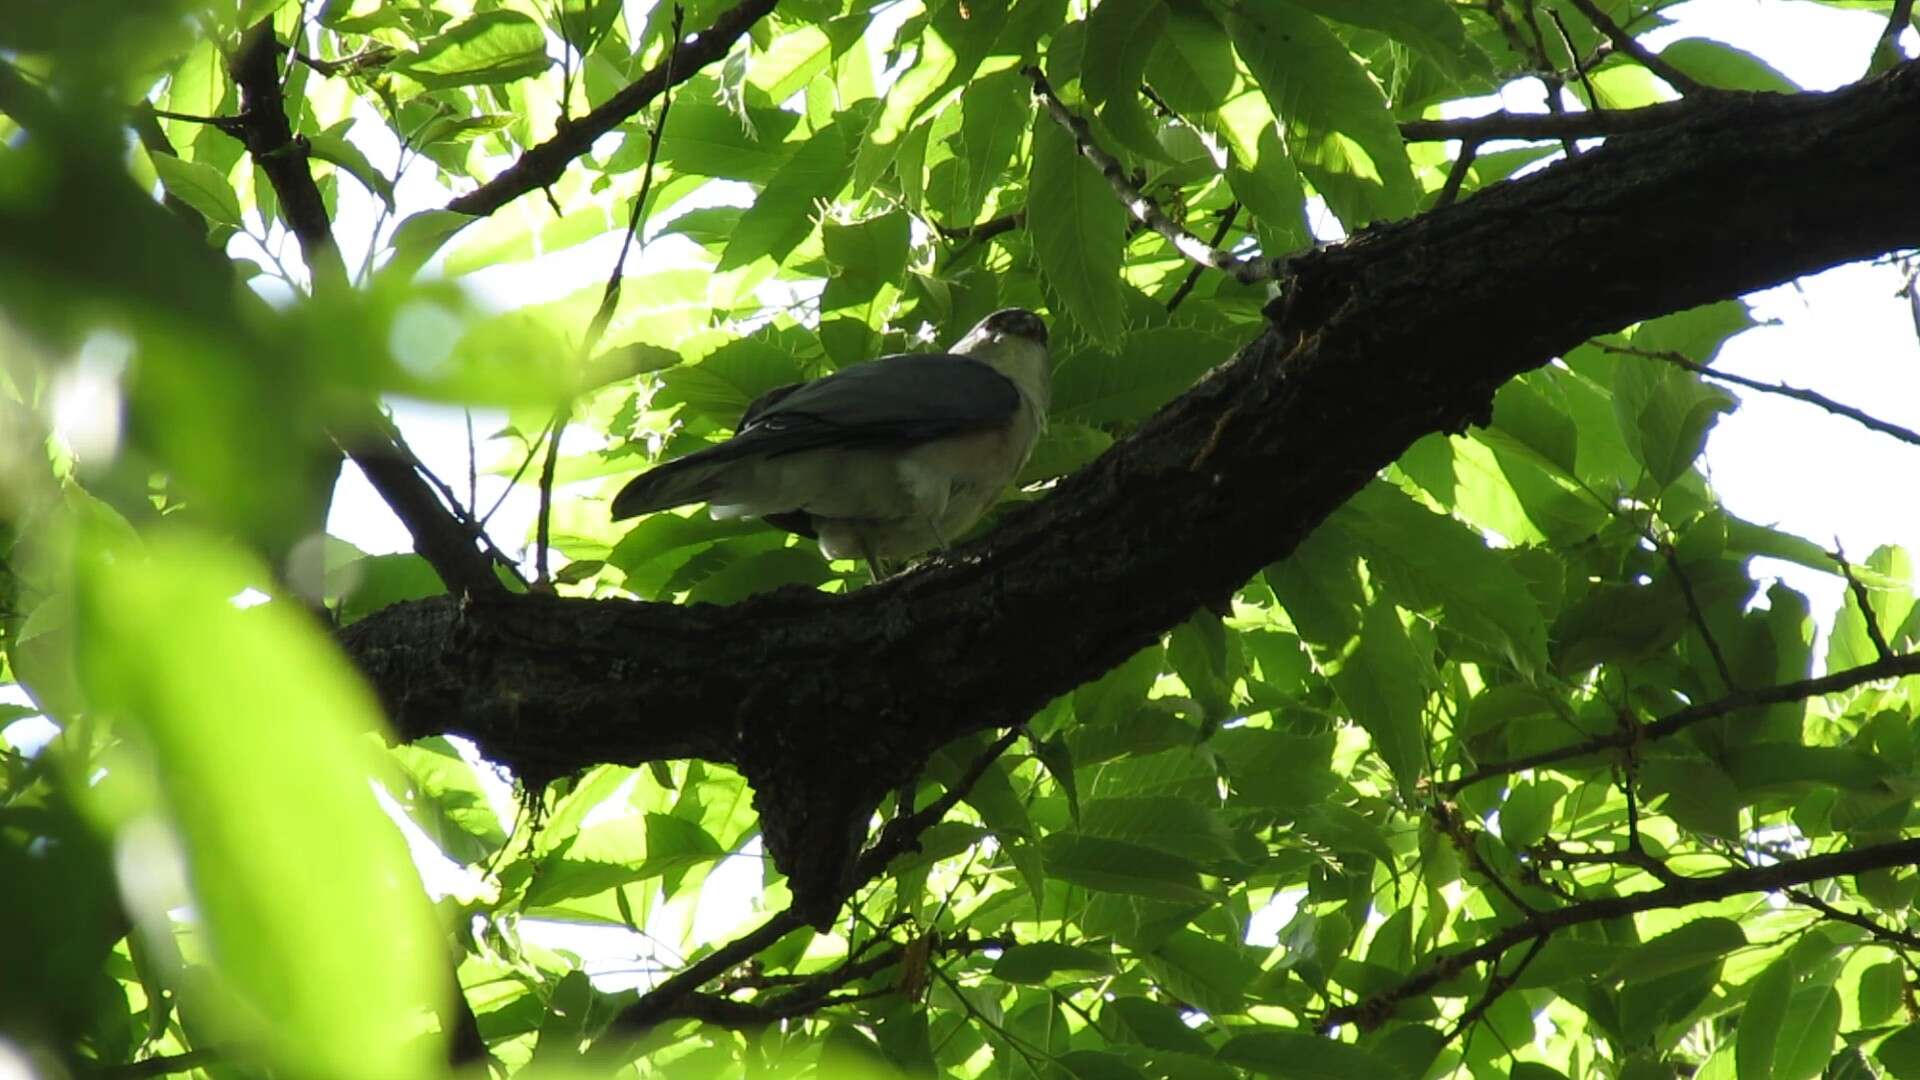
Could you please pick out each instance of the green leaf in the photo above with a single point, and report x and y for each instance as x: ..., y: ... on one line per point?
x: 1698, y: 943
x: 1528, y: 812
x: 1040, y: 961
x: 419, y: 237
x: 712, y: 140
x: 1098, y: 1065
x: 1718, y: 64
x: 1077, y: 226
x: 200, y: 186
x: 1148, y: 368
x: 1339, y: 130
x: 258, y: 730
x: 1762, y: 1020
x: 1892, y: 603
x: 1882, y: 992
x: 1174, y: 825
x: 1807, y: 1032
x: 1432, y: 562
x: 1301, y: 1055
x: 783, y: 214
x: 1900, y: 1052
x: 1211, y: 974
x: 1278, y: 770
x: 1154, y: 1024
x: 1121, y: 867
x: 335, y: 148
x: 491, y: 48
x: 1119, y: 692
x: 1431, y: 26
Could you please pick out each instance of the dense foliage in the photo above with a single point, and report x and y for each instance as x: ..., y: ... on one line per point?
x: 1513, y: 767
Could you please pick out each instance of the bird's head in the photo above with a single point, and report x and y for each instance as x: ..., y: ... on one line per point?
x: 1005, y: 323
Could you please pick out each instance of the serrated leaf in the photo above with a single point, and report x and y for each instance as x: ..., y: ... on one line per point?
x: 1340, y: 132
x: 1040, y: 961
x: 1431, y: 26
x: 1077, y: 226
x: 1121, y: 867
x: 491, y: 48
x: 783, y: 213
x: 1430, y: 560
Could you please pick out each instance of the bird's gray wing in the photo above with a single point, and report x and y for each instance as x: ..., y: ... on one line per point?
x: 893, y: 401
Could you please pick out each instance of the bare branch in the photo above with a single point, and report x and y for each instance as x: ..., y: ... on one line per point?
x: 1542, y: 126
x: 1884, y: 933
x: 541, y: 165
x: 1457, y: 175
x: 1889, y: 668
x: 1139, y: 204
x: 1219, y: 237
x: 1694, y: 611
x: 664, y: 1001
x: 1369, y: 1012
x: 985, y: 230
x: 270, y: 139
x: 1626, y: 43
x: 1501, y: 982
x: 1864, y: 419
x: 1867, y: 614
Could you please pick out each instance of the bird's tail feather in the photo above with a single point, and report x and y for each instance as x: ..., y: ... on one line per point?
x: 676, y: 483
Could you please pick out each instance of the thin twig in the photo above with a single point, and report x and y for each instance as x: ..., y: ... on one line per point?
x: 1867, y: 614
x: 900, y: 834
x: 1139, y: 204
x: 1892, y: 667
x: 1193, y: 274
x: 1544, y: 126
x: 609, y: 301
x: 1457, y: 175
x: 1884, y: 933
x: 1625, y: 42
x: 1369, y: 1012
x: 539, y: 166
x: 1886, y: 51
x: 985, y: 230
x: 228, y: 124
x: 165, y: 1065
x: 1497, y: 984
x: 1864, y: 419
x: 1579, y: 68
x: 1697, y: 614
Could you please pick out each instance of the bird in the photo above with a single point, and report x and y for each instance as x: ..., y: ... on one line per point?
x: 883, y: 460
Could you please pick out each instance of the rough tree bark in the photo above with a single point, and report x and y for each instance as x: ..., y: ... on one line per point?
x: 826, y: 702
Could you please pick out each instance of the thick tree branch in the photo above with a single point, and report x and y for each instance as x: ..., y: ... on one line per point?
x: 826, y: 702
x: 542, y: 164
x: 269, y: 138
x: 1687, y: 891
x: 1888, y: 667
x: 1545, y: 126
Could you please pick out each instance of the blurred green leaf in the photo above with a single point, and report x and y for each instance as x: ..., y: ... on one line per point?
x: 332, y: 959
